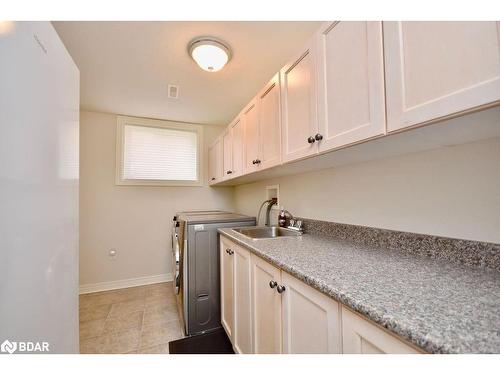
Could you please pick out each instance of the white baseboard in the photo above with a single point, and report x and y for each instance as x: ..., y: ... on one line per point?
x: 127, y: 283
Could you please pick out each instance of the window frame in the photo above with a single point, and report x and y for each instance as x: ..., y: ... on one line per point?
x: 151, y: 123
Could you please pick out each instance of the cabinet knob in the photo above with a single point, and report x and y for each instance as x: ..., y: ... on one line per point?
x: 227, y: 251
x: 257, y: 161
x: 229, y: 172
x: 311, y: 139
x: 318, y: 137
x: 230, y: 252
x: 253, y: 162
x: 213, y: 178
x: 280, y: 289
x: 273, y: 284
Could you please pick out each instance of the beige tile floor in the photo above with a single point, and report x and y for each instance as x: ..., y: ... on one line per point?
x: 133, y: 320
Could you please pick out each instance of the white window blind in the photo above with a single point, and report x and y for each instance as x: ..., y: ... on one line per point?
x: 153, y: 153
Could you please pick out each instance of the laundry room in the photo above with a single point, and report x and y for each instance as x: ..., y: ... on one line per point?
x: 303, y: 183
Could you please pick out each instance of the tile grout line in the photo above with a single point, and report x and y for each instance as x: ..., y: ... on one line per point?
x: 108, y: 318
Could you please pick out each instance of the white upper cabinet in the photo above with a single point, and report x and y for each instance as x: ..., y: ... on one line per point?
x: 233, y: 150
x: 351, y: 104
x: 437, y: 69
x: 250, y: 120
x: 268, y: 103
x: 237, y: 148
x: 215, y: 161
x: 227, y: 159
x: 299, y: 107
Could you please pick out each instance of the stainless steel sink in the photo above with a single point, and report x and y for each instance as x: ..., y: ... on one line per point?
x: 259, y: 233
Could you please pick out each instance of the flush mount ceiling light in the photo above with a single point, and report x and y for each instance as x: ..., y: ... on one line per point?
x: 210, y: 54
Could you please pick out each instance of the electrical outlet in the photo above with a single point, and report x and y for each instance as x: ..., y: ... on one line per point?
x: 112, y: 254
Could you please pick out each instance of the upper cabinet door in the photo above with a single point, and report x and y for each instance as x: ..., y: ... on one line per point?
x: 251, y: 126
x: 437, y: 69
x: 211, y: 165
x: 350, y: 83
x: 299, y: 107
x: 215, y: 162
x: 237, y: 148
x: 227, y: 160
x: 270, y: 123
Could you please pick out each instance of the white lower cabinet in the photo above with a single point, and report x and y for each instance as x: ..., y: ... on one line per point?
x: 266, y: 310
x: 359, y: 336
x: 235, y: 295
x: 311, y: 320
x: 266, y: 307
x: 226, y: 286
x: 242, y: 332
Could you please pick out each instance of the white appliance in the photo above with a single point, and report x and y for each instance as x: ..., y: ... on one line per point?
x: 39, y: 176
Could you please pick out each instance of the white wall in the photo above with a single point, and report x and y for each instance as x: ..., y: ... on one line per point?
x: 39, y: 109
x: 134, y: 220
x: 452, y: 191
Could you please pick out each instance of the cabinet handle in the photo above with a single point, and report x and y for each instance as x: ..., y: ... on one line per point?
x: 318, y: 137
x: 213, y: 178
x: 229, y: 172
x: 253, y: 162
x: 273, y: 284
x: 311, y: 140
x: 257, y: 161
x: 227, y: 251
x: 280, y: 289
x: 230, y: 252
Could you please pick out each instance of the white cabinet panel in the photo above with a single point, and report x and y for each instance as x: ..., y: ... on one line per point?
x: 437, y: 69
x: 237, y: 148
x: 215, y: 161
x: 242, y: 307
x: 359, y: 336
x: 251, y: 134
x: 226, y: 286
x: 227, y: 159
x: 299, y: 107
x: 266, y: 307
x: 270, y: 123
x: 311, y: 320
x: 350, y: 83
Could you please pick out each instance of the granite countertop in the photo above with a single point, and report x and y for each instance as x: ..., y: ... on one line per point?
x: 439, y: 306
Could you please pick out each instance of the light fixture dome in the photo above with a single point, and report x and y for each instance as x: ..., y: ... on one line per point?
x: 210, y: 53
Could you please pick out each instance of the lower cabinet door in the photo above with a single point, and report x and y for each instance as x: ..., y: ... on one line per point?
x: 242, y: 332
x: 226, y: 285
x: 266, y: 307
x: 359, y: 336
x: 311, y: 320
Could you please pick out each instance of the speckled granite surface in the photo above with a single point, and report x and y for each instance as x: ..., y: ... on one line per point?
x: 439, y: 306
x: 470, y: 253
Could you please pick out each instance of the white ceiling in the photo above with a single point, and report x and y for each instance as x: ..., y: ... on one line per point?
x: 125, y: 67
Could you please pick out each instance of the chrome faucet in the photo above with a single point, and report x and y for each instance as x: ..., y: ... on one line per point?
x: 294, y: 223
x: 270, y: 203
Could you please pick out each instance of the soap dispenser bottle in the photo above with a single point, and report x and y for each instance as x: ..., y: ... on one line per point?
x: 282, y: 218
